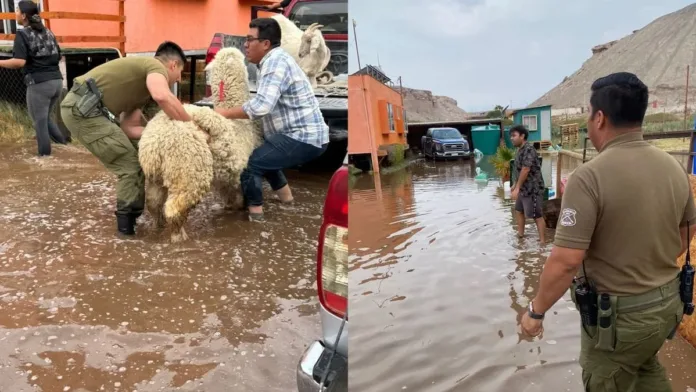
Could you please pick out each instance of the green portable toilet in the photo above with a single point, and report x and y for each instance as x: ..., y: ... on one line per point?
x: 506, y: 135
x: 486, y: 138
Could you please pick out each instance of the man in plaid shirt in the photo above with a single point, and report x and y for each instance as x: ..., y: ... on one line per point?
x: 294, y: 128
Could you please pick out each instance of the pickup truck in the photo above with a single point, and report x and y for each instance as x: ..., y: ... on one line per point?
x: 333, y: 98
x: 445, y: 143
x: 324, y: 364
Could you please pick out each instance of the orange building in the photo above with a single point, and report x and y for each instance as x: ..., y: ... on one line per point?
x: 375, y: 115
x: 190, y: 23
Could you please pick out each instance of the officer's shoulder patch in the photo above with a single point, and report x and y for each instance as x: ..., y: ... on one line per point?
x: 568, y: 217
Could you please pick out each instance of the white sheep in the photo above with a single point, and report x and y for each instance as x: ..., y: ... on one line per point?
x: 308, y: 48
x: 181, y: 167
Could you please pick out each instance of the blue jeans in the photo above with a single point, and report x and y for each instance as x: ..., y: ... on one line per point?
x: 278, y: 152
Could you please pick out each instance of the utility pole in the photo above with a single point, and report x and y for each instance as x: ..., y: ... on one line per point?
x: 686, y: 97
x: 357, y: 51
x: 370, y: 132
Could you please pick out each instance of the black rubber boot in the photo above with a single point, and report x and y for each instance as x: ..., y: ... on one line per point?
x: 125, y: 223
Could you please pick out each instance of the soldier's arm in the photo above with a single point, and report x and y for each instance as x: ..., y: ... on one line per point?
x: 689, y: 218
x: 576, y: 225
x: 159, y: 90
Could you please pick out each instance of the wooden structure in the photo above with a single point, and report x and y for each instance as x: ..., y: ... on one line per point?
x: 48, y: 15
x: 569, y: 134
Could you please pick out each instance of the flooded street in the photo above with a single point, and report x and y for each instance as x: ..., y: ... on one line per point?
x: 81, y: 310
x: 438, y: 279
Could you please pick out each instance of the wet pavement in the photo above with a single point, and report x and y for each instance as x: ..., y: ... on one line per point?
x: 81, y: 310
x: 438, y: 279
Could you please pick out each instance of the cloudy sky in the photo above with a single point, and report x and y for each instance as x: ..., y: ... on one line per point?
x: 488, y: 52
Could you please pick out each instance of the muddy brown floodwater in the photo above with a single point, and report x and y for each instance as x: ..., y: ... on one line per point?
x: 437, y: 280
x: 81, y: 310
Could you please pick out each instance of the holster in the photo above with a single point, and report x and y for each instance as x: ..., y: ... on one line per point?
x: 90, y: 103
x: 606, y: 334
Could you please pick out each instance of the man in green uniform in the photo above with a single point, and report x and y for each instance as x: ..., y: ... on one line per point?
x: 623, y: 224
x: 127, y: 84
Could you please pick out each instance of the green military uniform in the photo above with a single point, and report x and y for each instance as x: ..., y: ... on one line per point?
x: 123, y: 84
x: 625, y: 208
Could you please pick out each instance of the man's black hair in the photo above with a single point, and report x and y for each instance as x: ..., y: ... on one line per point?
x: 172, y: 51
x: 269, y: 29
x: 622, y: 97
x: 521, y: 129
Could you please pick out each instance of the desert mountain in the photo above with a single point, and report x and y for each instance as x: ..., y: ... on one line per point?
x: 658, y: 53
x: 423, y: 106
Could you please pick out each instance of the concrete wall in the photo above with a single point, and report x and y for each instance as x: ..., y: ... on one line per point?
x: 364, y: 89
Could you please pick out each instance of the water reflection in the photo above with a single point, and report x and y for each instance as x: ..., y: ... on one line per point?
x: 438, y: 280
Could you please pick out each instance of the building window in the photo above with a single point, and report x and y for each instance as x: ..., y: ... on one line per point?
x: 390, y: 114
x: 8, y: 26
x: 530, y: 122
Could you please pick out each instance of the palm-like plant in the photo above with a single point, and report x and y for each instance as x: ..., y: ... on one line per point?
x: 501, y: 161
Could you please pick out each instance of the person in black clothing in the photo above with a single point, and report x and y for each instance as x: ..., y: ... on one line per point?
x: 37, y: 51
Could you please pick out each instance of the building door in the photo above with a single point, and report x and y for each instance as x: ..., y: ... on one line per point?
x: 545, y: 125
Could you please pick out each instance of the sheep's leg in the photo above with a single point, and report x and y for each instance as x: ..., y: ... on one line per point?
x: 235, y: 199
x: 155, y: 197
x: 176, y: 211
x: 178, y: 232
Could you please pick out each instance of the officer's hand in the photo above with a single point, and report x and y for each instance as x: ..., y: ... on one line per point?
x: 530, y: 326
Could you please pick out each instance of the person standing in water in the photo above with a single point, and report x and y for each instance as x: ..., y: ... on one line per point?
x: 528, y: 191
x: 36, y: 50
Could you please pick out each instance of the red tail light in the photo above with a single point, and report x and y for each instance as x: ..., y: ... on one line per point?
x: 215, y: 46
x: 332, y: 256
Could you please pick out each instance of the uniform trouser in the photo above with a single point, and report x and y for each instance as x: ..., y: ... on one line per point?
x: 633, y: 365
x: 117, y: 153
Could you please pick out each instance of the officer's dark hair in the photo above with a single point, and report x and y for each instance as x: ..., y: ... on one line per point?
x: 622, y: 97
x: 269, y: 29
x: 168, y: 50
x: 31, y: 11
x: 520, y: 129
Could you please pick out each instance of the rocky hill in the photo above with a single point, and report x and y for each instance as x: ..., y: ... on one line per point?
x: 658, y: 53
x: 422, y: 106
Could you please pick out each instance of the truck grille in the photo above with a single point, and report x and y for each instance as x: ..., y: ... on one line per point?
x: 454, y: 147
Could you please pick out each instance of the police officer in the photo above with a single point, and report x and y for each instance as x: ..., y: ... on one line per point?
x: 127, y: 84
x: 622, y: 226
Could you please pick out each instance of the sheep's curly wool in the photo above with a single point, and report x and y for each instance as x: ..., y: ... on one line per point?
x: 307, y: 47
x: 180, y: 167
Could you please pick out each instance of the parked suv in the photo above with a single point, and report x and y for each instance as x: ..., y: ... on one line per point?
x: 324, y: 365
x: 445, y: 143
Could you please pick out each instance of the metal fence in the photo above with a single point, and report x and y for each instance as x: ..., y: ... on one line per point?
x: 12, y: 88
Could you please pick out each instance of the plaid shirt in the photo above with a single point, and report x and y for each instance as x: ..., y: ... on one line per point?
x: 285, y: 101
